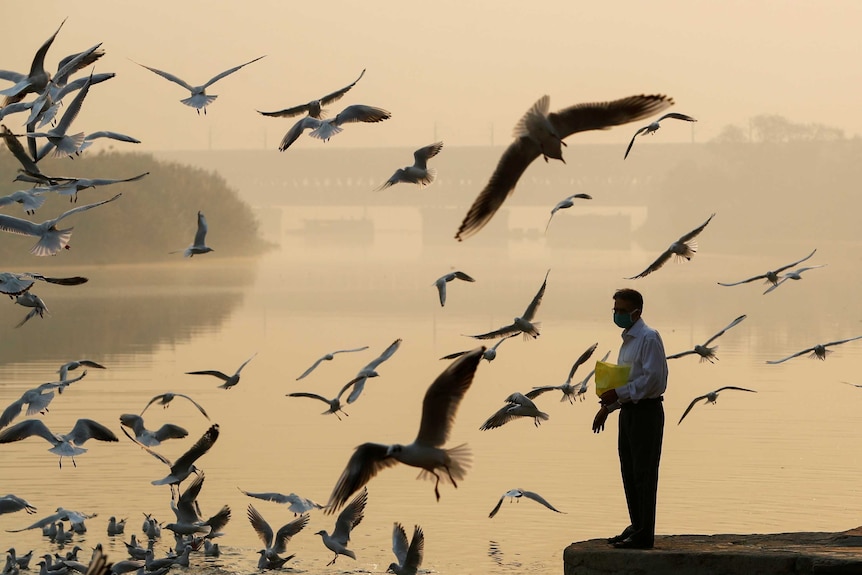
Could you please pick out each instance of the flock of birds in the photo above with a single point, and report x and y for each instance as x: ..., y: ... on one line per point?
x: 539, y: 133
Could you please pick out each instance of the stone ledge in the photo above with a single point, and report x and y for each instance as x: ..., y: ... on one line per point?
x: 758, y: 554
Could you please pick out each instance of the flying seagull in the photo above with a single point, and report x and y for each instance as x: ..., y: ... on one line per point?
x: 540, y: 133
x: 439, y: 408
x: 443, y: 280
x: 275, y: 542
x: 489, y: 355
x: 523, y: 324
x: 325, y: 129
x: 792, y: 275
x: 229, y: 380
x: 200, y: 244
x: 653, y: 127
x: 37, y: 400
x: 684, y: 248
x: 567, y: 388
x: 517, y: 405
x: 65, y: 445
x: 31, y: 300
x: 334, y: 404
x: 344, y: 525
x: 199, y: 98
x: 329, y: 357
x: 71, y: 187
x: 409, y: 555
x: 38, y: 78
x: 30, y: 200
x: 165, y: 399
x: 705, y: 352
x: 75, y: 518
x: 770, y: 276
x: 51, y: 240
x: 564, y: 204
x: 13, y: 284
x: 370, y: 370
x: 12, y: 503
x: 298, y: 505
x: 151, y: 438
x: 314, y: 108
x: 517, y: 494
x: 64, y: 144
x: 75, y: 364
x: 710, y: 398
x: 819, y: 351
x: 419, y: 173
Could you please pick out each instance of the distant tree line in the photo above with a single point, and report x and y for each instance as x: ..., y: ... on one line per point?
x: 772, y: 128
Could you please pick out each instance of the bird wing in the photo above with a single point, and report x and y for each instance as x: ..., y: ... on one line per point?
x: 497, y: 507
x: 195, y: 403
x: 658, y: 263
x: 455, y: 355
x: 531, y: 310
x: 360, y: 113
x: 730, y: 325
x: 13, y: 411
x: 198, y: 449
x: 499, y: 418
x: 335, y: 96
x: 441, y: 291
x: 25, y: 429
x: 505, y: 330
x: 797, y: 354
x: 350, y: 517
x: 230, y: 71
x: 86, y: 362
x: 19, y: 152
x: 782, y: 268
x: 584, y: 357
x: 75, y: 63
x: 283, y: 535
x: 107, y: 182
x: 275, y: 497
x: 761, y: 276
x: 296, y: 130
x: 842, y: 341
x: 185, y: 508
x: 690, y: 406
x: 536, y: 497
x: 158, y: 456
x: 264, y: 531
x: 311, y: 395
x: 677, y: 116
x: 170, y: 431
x: 367, y: 460
x: 774, y: 286
x: 632, y: 143
x: 443, y: 397
x: 422, y: 155
x: 84, y: 208
x: 537, y: 391
x: 363, y: 348
x: 201, y: 233
x: 387, y: 353
x: 462, y: 276
x: 212, y: 372
x: 85, y: 429
x: 169, y: 77
x: 310, y: 369
x: 400, y: 544
x: 734, y: 387
x: 287, y: 112
x: 691, y: 235
x: 416, y: 550
x: 681, y: 354
x: 72, y: 110
x: 239, y: 369
x: 113, y: 136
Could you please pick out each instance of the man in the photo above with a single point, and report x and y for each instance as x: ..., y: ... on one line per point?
x: 641, y: 418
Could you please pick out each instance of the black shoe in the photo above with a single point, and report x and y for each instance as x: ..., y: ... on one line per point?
x: 627, y: 532
x: 633, y: 542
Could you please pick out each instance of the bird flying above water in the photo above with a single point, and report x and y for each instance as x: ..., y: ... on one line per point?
x: 683, y: 248
x: 654, y: 126
x: 710, y: 398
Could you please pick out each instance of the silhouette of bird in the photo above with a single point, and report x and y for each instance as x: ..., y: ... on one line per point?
x: 419, y: 173
x: 564, y: 204
x: 567, y: 388
x: 313, y: 108
x: 517, y: 494
x: 200, y: 244
x: 324, y: 129
x: 683, y: 248
x: 819, y: 351
x: 770, y: 276
x: 329, y: 357
x: 705, y: 352
x: 792, y: 275
x: 334, y: 403
x: 370, y: 370
x: 75, y: 364
x: 229, y: 380
x: 443, y: 280
x: 344, y: 525
x: 165, y: 399
x: 489, y: 355
x: 710, y: 398
x: 654, y: 126
x: 517, y: 405
x: 151, y: 438
x: 36, y: 80
x: 523, y: 324
x: 409, y: 555
x: 12, y: 503
x: 275, y: 542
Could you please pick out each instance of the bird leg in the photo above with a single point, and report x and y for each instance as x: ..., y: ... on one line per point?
x: 452, y: 479
x: 333, y: 560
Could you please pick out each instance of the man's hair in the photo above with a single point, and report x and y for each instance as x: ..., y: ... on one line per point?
x: 631, y: 296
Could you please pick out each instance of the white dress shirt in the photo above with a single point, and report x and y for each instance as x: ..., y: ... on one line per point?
x: 643, y: 349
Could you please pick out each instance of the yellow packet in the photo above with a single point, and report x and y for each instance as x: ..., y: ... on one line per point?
x: 610, y: 376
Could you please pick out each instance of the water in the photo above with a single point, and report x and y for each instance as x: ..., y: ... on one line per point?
x: 784, y: 459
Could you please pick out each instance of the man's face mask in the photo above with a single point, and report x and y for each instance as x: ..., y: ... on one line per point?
x: 624, y: 319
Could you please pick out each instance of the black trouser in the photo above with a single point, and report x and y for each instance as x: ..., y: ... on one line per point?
x: 641, y: 431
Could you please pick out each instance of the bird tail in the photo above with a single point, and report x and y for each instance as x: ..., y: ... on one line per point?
x: 27, y: 318
x: 325, y: 131
x: 199, y: 101
x: 690, y: 250
x: 430, y: 176
x: 52, y: 242
x: 459, y: 459
x: 533, y: 333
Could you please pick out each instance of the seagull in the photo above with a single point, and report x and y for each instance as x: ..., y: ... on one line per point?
x: 853, y: 384
x: 684, y: 247
x: 771, y: 276
x: 37, y: 400
x: 523, y: 324
x: 517, y: 405
x: 705, y: 352
x: 199, y: 98
x: 489, y: 355
x: 564, y: 204
x: 23, y: 561
x: 409, y: 555
x: 819, y: 351
x: 325, y: 129
x: 439, y: 408
x: 229, y: 380
x: 418, y: 173
x: 67, y: 445
x: 30, y: 200
x: 63, y: 144
x: 166, y: 398
x: 73, y: 517
x: 13, y: 284
x: 369, y: 370
x: 581, y: 390
x: 346, y: 522
x: 30, y: 172
x: 334, y: 403
x: 199, y: 246
x: 540, y: 133
x: 29, y: 299
x: 116, y: 527
x: 275, y: 543
x: 151, y: 438
x: 443, y: 280
x: 184, y: 466
x: 116, y: 136
x: 517, y: 494
x: 71, y: 187
x: 51, y: 240
x: 653, y: 127
x: 298, y: 505
x: 75, y: 364
x: 710, y: 398
x: 188, y: 514
x: 12, y: 503
x: 36, y: 81
x: 567, y: 388
x: 314, y: 108
x: 792, y: 275
x: 329, y: 357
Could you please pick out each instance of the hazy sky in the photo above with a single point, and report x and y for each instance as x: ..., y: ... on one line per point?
x: 457, y: 67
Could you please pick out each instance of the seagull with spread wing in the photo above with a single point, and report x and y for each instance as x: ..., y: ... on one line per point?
x: 348, y: 519
x: 229, y: 380
x: 12, y: 503
x: 314, y: 108
x: 517, y: 405
x: 36, y: 80
x: 164, y: 399
x: 30, y: 200
x: 443, y: 280
x: 540, y: 133
x: 439, y: 408
x: 151, y: 438
x: 705, y: 352
x: 819, y: 351
x: 409, y: 554
x: 71, y: 187
x: 75, y: 364
x: 199, y: 99
x: 31, y: 300
x: 13, y: 284
x: 51, y: 240
x: 419, y: 173
x: 654, y: 126
x: 567, y: 388
x: 329, y: 357
x: 64, y: 445
x: 523, y: 324
x: 565, y: 204
x: 334, y: 404
x: 298, y: 505
x: 517, y: 494
x: 489, y: 355
x: 710, y: 398
x: 792, y: 275
x: 683, y: 248
x: 36, y: 399
x: 770, y: 276
x: 274, y: 542
x: 324, y: 129
x: 369, y: 370
x: 200, y: 244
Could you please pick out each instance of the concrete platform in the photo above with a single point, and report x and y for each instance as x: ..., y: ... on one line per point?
x: 758, y: 554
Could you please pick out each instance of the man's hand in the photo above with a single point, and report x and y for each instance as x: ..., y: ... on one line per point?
x: 599, y: 421
x: 609, y: 397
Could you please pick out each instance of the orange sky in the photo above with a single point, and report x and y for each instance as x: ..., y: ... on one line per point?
x: 448, y: 67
